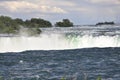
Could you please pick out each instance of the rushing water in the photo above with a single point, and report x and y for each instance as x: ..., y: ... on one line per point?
x: 78, y: 53
x: 64, y: 38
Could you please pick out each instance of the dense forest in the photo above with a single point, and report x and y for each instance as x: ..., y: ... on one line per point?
x: 9, y: 25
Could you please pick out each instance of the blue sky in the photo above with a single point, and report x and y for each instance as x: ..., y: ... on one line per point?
x: 78, y: 11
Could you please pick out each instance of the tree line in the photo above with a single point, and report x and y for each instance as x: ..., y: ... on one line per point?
x: 105, y: 23
x: 9, y: 25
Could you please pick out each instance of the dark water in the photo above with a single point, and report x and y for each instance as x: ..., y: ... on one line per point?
x: 53, y: 65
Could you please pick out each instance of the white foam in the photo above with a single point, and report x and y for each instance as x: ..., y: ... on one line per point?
x: 56, y: 42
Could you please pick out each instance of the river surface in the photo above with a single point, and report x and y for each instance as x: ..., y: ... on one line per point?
x: 77, y: 64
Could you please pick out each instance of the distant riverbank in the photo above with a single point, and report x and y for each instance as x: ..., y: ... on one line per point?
x: 17, y: 27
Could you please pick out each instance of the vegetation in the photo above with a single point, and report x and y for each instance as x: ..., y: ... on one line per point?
x: 105, y: 23
x: 8, y: 25
x: 64, y: 23
x: 13, y: 26
x: 19, y: 21
x: 37, y: 23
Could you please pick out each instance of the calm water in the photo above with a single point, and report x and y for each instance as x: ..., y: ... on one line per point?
x: 53, y: 65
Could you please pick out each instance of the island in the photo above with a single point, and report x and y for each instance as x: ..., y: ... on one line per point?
x: 31, y: 27
x: 64, y: 23
x: 14, y: 26
x: 105, y: 23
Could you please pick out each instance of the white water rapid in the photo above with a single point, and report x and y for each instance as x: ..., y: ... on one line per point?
x: 59, y: 39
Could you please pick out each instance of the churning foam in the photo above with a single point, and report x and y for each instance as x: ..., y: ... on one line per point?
x: 56, y: 42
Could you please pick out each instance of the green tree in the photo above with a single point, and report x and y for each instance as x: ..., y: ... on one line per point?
x: 64, y: 23
x: 37, y: 23
x: 19, y: 21
x: 8, y: 25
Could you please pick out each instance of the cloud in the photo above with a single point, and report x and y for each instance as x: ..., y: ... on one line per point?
x: 80, y: 11
x: 67, y: 3
x: 24, y: 6
x: 105, y: 1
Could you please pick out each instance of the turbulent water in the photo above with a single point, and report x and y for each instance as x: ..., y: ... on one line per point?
x: 64, y: 38
x: 76, y: 53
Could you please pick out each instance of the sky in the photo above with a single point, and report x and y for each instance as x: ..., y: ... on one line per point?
x: 80, y: 12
